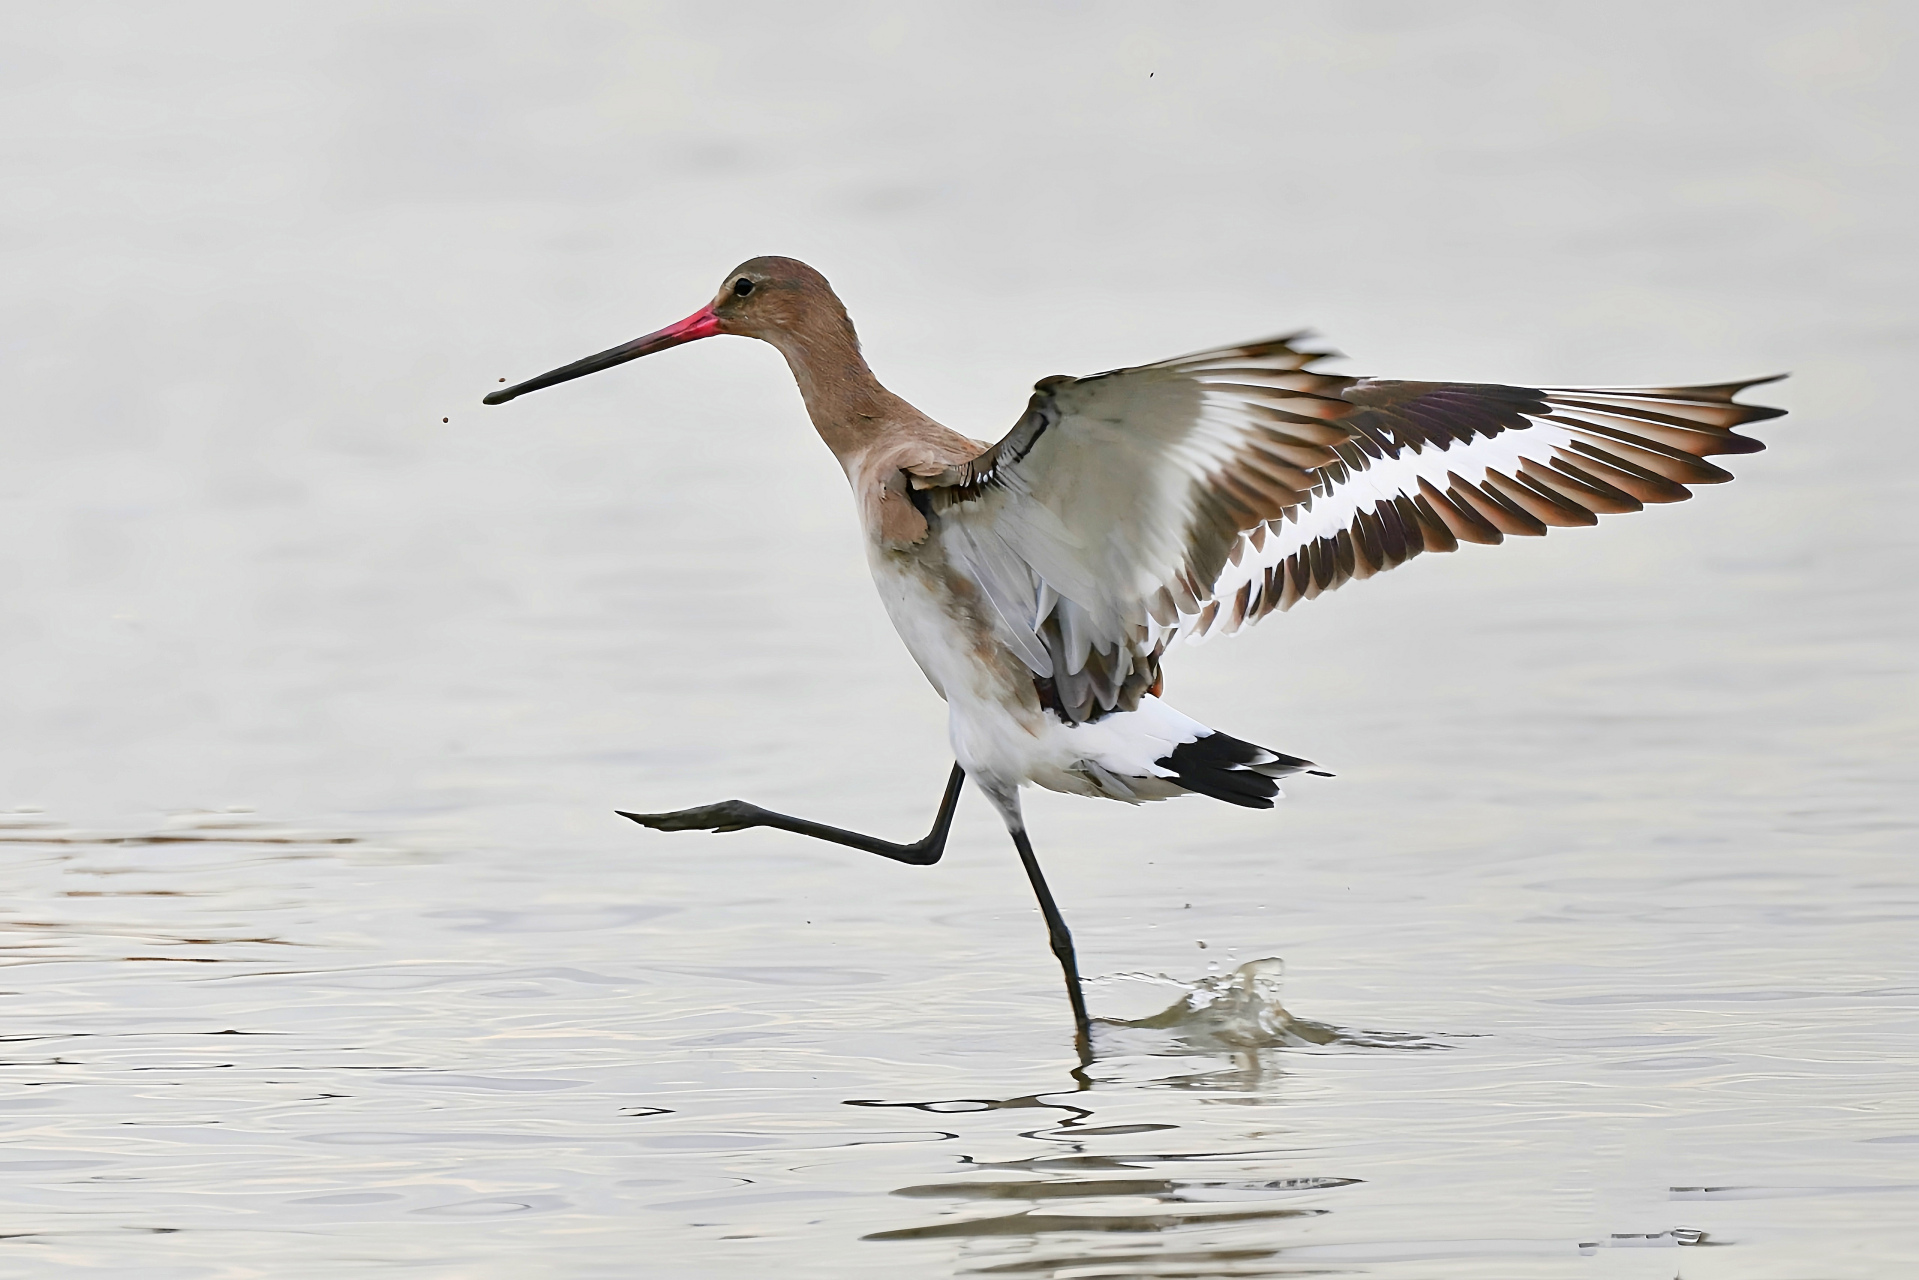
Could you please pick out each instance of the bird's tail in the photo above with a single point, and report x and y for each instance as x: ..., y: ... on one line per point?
x: 1227, y: 768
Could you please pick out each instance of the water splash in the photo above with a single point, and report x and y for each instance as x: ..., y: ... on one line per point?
x: 1232, y: 1012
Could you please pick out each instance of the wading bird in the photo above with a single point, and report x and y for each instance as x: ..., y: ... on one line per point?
x: 1039, y: 581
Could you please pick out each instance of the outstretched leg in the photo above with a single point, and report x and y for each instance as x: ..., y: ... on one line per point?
x: 737, y: 815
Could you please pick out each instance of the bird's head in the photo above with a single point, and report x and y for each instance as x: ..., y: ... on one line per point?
x: 769, y: 298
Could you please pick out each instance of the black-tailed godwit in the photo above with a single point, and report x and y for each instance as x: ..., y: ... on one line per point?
x: 1038, y: 582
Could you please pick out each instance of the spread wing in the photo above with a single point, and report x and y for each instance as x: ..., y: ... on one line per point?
x: 1131, y: 507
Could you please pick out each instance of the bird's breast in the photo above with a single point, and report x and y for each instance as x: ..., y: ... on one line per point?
x: 943, y: 620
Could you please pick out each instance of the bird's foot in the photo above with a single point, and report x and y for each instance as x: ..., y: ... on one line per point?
x: 727, y: 815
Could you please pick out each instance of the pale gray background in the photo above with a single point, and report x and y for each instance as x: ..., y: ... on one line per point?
x: 1623, y: 815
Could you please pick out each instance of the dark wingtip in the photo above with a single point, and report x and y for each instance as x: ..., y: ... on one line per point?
x: 630, y: 817
x: 1320, y: 773
x: 1725, y: 391
x: 501, y: 397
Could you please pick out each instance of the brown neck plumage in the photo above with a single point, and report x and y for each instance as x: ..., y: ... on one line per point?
x: 848, y: 406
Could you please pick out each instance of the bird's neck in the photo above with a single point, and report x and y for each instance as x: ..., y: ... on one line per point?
x: 848, y: 406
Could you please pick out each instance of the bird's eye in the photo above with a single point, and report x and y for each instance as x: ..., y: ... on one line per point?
x: 742, y: 287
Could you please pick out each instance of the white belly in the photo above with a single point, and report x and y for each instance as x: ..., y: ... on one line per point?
x: 998, y: 732
x: 923, y: 615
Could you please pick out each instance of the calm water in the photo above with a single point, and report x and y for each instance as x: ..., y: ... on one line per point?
x: 328, y: 957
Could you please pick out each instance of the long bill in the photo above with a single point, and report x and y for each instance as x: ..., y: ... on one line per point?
x: 701, y: 324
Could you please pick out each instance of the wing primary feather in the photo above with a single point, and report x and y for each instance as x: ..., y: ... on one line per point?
x: 1434, y: 531
x: 1240, y: 603
x: 1409, y: 525
x: 1688, y: 437
x: 1549, y: 511
x: 1370, y: 540
x: 1294, y: 428
x: 1344, y: 562
x: 1587, y: 496
x: 1461, y: 519
x: 1323, y: 566
x: 1297, y: 579
x: 1486, y: 503
x: 1572, y: 472
x: 1392, y: 539
x: 1674, y: 464
x: 1647, y: 486
x: 1722, y: 392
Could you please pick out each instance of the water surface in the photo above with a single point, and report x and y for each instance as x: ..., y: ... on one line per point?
x: 328, y: 957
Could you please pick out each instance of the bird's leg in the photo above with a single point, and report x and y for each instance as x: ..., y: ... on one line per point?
x: 737, y: 815
x: 1061, y: 939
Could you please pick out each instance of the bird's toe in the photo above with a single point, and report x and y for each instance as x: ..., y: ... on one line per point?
x: 728, y: 815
